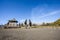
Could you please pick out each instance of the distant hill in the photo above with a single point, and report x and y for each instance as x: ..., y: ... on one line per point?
x: 57, y: 22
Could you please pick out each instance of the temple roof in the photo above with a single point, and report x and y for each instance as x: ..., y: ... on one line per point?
x: 13, y: 20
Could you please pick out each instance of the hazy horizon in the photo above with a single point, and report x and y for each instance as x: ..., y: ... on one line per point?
x: 37, y: 10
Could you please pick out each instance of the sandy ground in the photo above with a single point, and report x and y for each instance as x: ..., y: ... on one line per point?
x: 30, y: 34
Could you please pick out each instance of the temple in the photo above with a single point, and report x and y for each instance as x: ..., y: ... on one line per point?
x: 12, y: 23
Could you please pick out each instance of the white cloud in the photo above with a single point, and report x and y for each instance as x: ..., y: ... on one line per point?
x: 37, y: 10
x: 40, y: 12
x: 49, y: 14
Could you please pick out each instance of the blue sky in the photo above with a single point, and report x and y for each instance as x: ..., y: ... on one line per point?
x: 37, y: 10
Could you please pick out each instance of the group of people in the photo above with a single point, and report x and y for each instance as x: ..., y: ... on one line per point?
x: 28, y: 25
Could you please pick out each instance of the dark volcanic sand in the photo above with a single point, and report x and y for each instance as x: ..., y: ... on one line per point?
x: 30, y: 34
